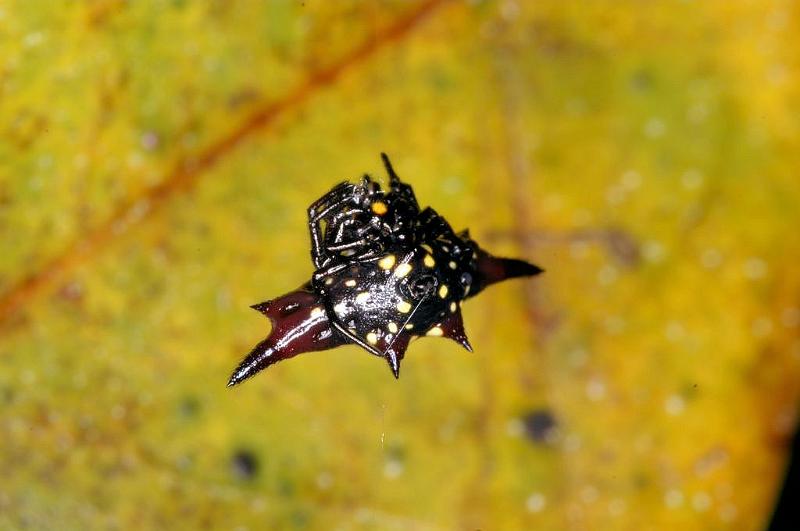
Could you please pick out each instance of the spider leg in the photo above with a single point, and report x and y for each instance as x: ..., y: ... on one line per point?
x: 399, y: 189
x: 328, y: 269
x: 346, y: 245
x: 393, y: 178
x: 340, y: 222
x: 337, y: 239
x: 337, y: 198
x: 325, y: 271
x: 434, y: 226
x: 357, y: 340
x: 362, y: 234
x: 336, y: 195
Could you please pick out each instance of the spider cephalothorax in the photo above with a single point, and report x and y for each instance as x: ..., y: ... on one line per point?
x: 384, y: 273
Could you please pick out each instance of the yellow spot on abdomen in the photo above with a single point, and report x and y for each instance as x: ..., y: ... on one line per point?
x: 316, y: 312
x: 362, y: 297
x: 428, y: 261
x: 379, y: 207
x: 392, y: 327
x: 409, y: 326
x: 402, y: 270
x: 435, y: 331
x: 372, y: 338
x: 453, y: 307
x: 350, y: 283
x: 403, y: 306
x: 387, y: 262
x: 443, y: 291
x: 452, y: 264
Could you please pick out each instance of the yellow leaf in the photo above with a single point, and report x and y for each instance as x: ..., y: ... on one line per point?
x: 157, y: 162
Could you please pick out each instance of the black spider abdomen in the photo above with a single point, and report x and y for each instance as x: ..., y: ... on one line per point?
x: 396, y: 294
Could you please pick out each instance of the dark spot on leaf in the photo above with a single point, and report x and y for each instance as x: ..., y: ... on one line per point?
x: 642, y: 80
x: 7, y: 395
x: 540, y: 426
x: 184, y: 462
x: 71, y: 291
x: 189, y: 407
x: 641, y: 481
x: 395, y: 452
x: 244, y: 464
x: 286, y: 486
x: 243, y: 96
x: 623, y: 247
x: 300, y: 519
x: 689, y: 391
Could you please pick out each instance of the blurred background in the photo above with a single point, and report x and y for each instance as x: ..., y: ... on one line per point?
x: 156, y: 161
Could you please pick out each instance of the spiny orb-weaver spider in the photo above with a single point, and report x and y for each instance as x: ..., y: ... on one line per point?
x: 385, y: 272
